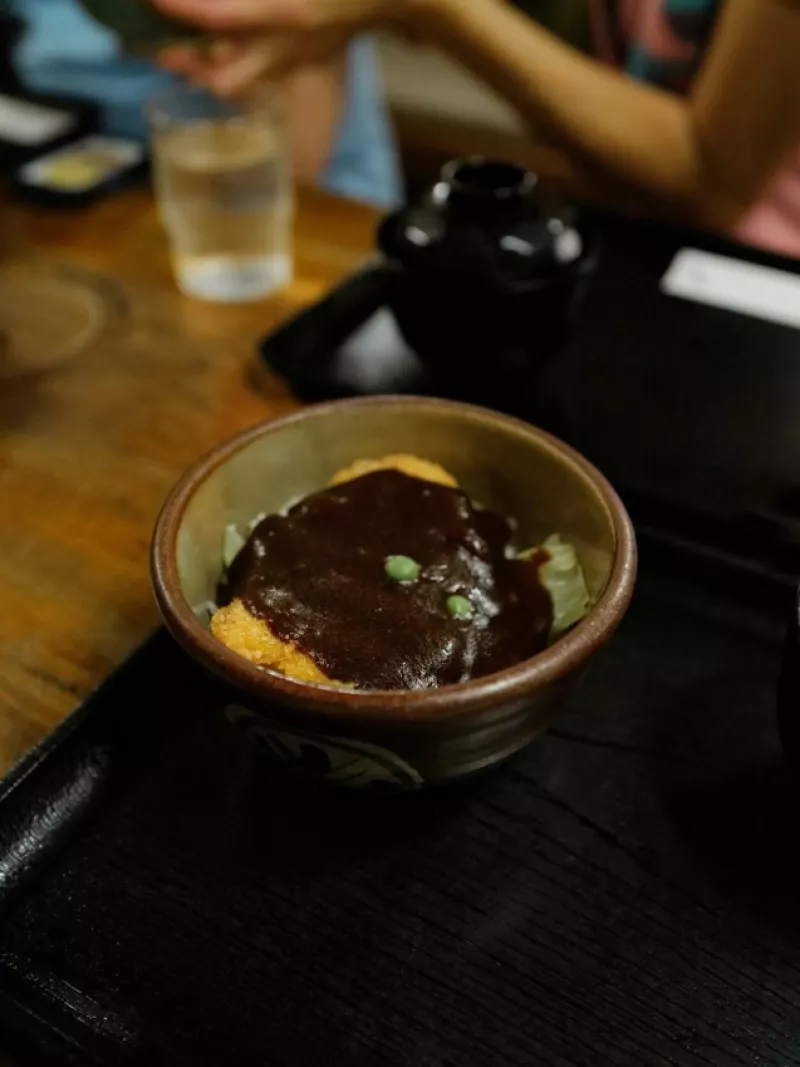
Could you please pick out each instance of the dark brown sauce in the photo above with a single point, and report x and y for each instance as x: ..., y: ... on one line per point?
x: 317, y: 576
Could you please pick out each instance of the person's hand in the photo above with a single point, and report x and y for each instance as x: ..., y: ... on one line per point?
x: 288, y: 34
x: 232, y: 66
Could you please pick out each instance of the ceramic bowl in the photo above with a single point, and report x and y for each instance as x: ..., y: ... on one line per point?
x: 409, y: 738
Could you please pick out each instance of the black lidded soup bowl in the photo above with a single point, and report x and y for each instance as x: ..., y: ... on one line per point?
x: 488, y: 277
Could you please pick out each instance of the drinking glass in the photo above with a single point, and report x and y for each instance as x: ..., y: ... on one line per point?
x: 223, y: 184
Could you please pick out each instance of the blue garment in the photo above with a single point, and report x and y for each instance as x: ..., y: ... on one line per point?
x: 656, y: 56
x: 65, y: 51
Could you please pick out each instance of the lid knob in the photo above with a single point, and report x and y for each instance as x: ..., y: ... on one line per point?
x: 478, y: 186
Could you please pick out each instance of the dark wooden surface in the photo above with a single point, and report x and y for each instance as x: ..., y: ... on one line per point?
x: 88, y: 451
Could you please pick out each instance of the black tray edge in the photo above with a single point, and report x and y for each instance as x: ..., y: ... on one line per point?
x: 31, y: 761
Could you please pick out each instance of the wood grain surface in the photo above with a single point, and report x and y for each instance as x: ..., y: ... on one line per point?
x: 88, y: 450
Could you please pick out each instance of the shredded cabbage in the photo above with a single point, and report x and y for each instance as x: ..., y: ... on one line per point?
x: 562, y: 576
x: 232, y: 545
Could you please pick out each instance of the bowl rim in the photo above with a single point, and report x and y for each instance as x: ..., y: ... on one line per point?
x: 406, y: 705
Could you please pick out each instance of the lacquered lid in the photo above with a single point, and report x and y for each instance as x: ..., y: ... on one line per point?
x: 485, y: 221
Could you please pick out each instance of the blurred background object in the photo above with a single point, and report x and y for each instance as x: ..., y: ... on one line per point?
x: 32, y: 342
x: 10, y: 29
x: 224, y: 188
x: 442, y: 111
x: 339, y: 127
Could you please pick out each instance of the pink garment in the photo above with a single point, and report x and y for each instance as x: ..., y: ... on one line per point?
x: 663, y: 42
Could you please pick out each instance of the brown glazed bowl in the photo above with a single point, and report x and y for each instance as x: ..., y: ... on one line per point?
x: 411, y: 738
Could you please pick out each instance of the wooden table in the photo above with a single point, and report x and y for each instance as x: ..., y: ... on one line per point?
x: 88, y: 452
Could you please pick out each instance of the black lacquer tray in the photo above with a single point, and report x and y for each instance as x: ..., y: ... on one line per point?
x: 623, y: 892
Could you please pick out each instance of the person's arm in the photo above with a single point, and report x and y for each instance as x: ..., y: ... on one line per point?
x: 315, y: 97
x: 708, y: 158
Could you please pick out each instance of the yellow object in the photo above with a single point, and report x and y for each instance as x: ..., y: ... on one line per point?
x: 413, y: 466
x: 79, y: 171
x: 252, y: 639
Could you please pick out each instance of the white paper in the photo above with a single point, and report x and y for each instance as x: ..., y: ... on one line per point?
x: 734, y: 285
x: 24, y: 123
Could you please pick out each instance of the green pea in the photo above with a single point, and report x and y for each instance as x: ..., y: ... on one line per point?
x: 459, y: 606
x: 402, y: 568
